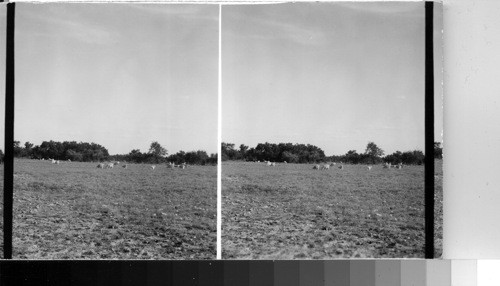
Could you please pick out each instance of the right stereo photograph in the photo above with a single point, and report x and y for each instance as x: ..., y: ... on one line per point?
x: 324, y: 111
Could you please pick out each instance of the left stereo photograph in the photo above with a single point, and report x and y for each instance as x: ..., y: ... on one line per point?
x: 115, y: 151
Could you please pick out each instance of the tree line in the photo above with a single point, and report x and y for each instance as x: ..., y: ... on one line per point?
x: 193, y: 157
x: 306, y: 153
x: 75, y: 151
x: 293, y: 153
x: 92, y: 152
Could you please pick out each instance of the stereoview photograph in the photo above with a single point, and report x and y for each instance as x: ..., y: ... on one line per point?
x: 115, y: 131
x: 323, y: 130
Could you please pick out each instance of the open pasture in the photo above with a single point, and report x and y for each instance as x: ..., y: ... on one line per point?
x: 76, y: 211
x: 291, y: 211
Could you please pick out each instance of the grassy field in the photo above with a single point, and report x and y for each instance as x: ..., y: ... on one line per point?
x: 76, y: 211
x: 293, y: 212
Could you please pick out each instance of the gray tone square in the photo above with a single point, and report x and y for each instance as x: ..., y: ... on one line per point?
x: 438, y: 272
x: 286, y: 273
x: 387, y: 273
x: 337, y: 273
x: 311, y: 273
x: 413, y: 273
x: 362, y: 273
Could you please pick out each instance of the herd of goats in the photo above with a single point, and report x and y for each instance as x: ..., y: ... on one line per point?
x: 340, y: 166
x: 170, y: 165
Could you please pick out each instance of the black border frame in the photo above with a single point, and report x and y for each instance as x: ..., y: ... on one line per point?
x: 429, y: 130
x: 8, y: 186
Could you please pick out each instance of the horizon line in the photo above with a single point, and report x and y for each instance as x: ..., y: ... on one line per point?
x: 416, y: 149
x: 91, y: 142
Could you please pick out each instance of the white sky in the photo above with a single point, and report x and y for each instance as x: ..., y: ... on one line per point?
x: 125, y: 75
x: 119, y: 75
x: 336, y: 75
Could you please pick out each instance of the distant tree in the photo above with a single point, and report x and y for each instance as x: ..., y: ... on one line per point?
x: 135, y: 151
x: 373, y: 150
x: 28, y: 148
x: 297, y: 153
x: 228, y: 151
x: 315, y: 156
x: 394, y: 158
x: 243, y: 151
x: 250, y: 155
x: 28, y: 145
x: 135, y: 156
x: 438, y: 150
x: 213, y: 159
x: 157, y: 150
x: 62, y: 151
x: 18, y: 150
x: 415, y: 157
x: 290, y: 157
x: 196, y: 157
x: 177, y: 158
x: 1, y: 157
x: 352, y: 157
x: 199, y: 157
x: 74, y: 155
x: 52, y: 149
